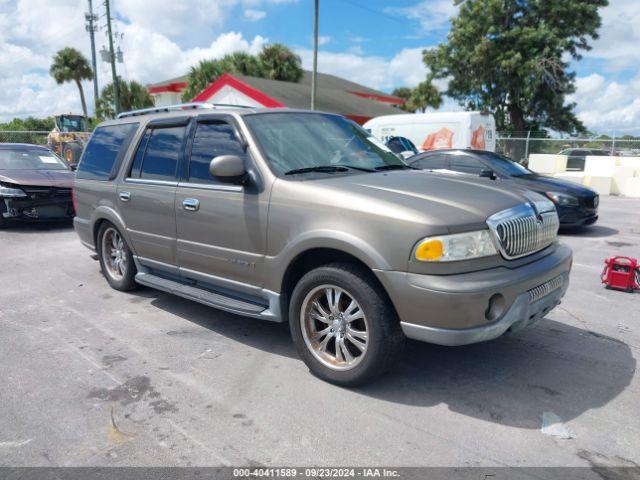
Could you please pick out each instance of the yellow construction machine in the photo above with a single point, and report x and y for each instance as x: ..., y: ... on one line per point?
x: 68, y: 137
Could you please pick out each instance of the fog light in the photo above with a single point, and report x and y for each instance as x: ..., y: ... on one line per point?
x: 495, y: 308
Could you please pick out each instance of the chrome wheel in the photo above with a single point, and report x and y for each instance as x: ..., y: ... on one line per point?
x: 334, y: 327
x: 114, y: 254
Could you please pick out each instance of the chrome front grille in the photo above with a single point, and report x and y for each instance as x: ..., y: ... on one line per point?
x: 545, y: 289
x: 523, y: 230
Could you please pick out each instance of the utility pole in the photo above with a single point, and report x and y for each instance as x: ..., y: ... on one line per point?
x: 315, y: 56
x: 92, y: 28
x: 116, y: 86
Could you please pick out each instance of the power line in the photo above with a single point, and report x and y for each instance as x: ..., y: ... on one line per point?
x: 374, y: 11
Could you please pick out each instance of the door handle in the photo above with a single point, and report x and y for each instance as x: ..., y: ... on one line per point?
x: 191, y: 204
x: 125, y: 196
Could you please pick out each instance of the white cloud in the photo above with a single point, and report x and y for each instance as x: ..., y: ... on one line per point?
x: 608, y: 106
x: 254, y: 15
x: 404, y: 69
x: 431, y: 14
x: 186, y: 22
x: 324, y: 39
x: 619, y: 36
x: 29, y: 39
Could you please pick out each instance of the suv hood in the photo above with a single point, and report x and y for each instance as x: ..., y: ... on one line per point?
x: 38, y: 178
x: 458, y: 203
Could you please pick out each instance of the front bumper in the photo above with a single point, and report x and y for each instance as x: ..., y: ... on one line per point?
x: 36, y: 209
x: 454, y: 309
x: 577, y: 216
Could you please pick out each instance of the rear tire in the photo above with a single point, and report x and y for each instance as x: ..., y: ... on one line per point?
x: 71, y: 153
x: 116, y: 259
x: 343, y: 325
x: 3, y: 209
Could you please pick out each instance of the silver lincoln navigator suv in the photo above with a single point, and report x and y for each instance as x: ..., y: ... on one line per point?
x: 304, y: 217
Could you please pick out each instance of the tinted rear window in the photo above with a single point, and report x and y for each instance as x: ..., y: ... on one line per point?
x: 162, y: 154
x: 106, y: 145
x: 433, y: 161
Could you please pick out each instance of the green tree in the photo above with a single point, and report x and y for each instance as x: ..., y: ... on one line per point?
x: 133, y: 96
x: 277, y: 62
x: 70, y: 65
x: 418, y: 99
x: 205, y: 72
x: 511, y: 57
x: 29, y: 124
x: 405, y: 94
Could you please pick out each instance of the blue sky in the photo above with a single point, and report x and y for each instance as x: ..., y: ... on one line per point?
x: 374, y: 42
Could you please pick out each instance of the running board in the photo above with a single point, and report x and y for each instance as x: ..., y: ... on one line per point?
x: 211, y: 299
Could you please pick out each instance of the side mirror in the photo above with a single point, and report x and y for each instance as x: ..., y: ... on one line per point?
x: 488, y: 174
x: 228, y: 168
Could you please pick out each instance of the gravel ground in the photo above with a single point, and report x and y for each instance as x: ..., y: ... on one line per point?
x: 91, y: 376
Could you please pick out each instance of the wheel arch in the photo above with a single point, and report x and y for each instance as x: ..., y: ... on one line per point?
x: 104, y: 214
x: 316, y: 257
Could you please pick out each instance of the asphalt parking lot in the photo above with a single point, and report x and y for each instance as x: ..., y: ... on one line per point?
x: 91, y: 376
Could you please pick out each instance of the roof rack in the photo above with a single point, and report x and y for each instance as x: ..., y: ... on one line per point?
x: 179, y: 106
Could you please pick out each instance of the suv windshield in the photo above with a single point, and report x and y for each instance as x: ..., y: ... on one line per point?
x: 302, y: 142
x: 504, y: 164
x: 36, y: 159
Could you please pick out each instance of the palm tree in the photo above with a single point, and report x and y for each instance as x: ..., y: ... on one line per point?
x: 70, y: 65
x: 425, y: 95
x: 202, y: 74
x: 405, y: 94
x: 277, y: 62
x: 133, y: 96
x: 419, y: 98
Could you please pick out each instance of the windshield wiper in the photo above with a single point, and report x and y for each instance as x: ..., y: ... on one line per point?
x: 395, y: 167
x: 319, y: 168
x: 327, y: 169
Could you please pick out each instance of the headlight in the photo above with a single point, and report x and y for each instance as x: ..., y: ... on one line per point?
x: 563, y: 199
x: 7, y: 192
x: 460, y: 246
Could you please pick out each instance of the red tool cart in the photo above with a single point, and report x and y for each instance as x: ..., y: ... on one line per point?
x: 621, y: 273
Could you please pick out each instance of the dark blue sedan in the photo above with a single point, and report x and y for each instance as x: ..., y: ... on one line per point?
x: 577, y: 205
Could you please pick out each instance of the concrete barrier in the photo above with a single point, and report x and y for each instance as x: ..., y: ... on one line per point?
x: 575, y: 177
x: 631, y: 162
x: 547, y: 163
x: 619, y: 181
x: 602, y: 185
x: 600, y: 166
x: 632, y: 187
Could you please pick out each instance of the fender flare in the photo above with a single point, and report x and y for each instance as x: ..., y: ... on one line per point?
x: 317, y: 239
x: 108, y: 213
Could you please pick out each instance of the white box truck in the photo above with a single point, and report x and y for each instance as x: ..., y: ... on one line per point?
x: 432, y: 131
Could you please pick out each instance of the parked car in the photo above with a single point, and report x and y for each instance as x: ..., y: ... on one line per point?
x: 576, y: 205
x: 577, y: 156
x: 34, y: 184
x: 303, y: 217
x: 401, y: 146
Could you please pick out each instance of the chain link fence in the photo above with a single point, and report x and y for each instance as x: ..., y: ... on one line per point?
x: 37, y: 138
x: 521, y: 146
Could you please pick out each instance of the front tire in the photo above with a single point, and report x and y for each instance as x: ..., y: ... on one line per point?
x: 343, y: 325
x: 116, y: 259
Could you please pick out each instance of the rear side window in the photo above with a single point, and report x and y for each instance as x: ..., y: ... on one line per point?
x: 212, y: 140
x: 104, y: 150
x: 158, y: 154
x: 435, y: 161
x: 466, y: 164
